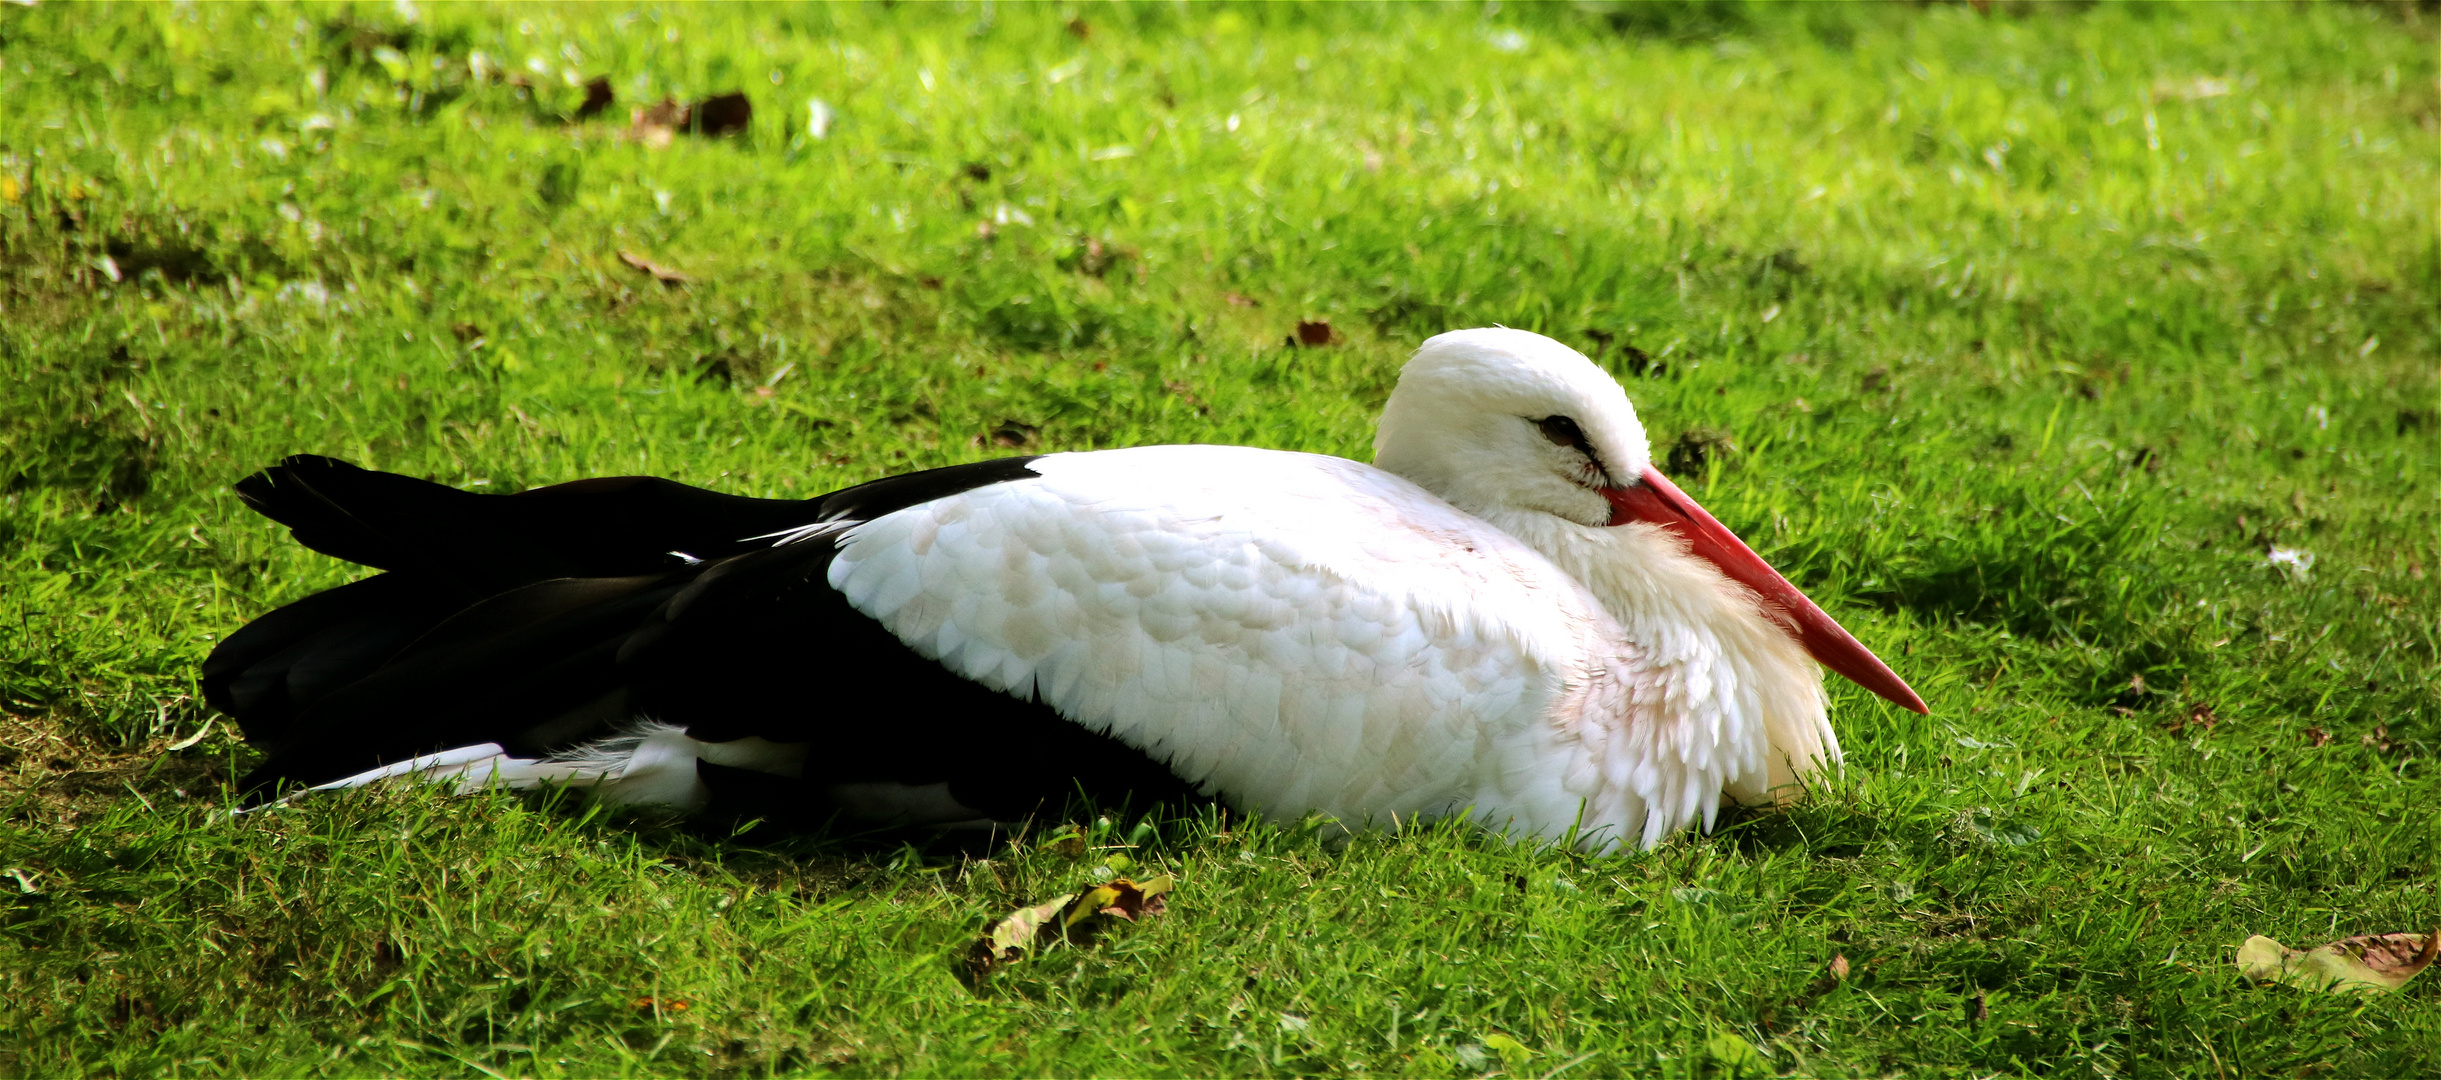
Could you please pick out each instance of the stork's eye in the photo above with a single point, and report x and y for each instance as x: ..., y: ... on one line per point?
x: 1563, y: 431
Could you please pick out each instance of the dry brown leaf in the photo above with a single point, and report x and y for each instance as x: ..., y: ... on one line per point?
x: 1095, y: 258
x: 722, y: 114
x: 1015, y: 435
x: 2366, y: 963
x: 2315, y: 736
x: 2201, y: 715
x: 654, y: 124
x: 1121, y: 898
x: 1313, y: 332
x: 666, y: 112
x: 1839, y: 967
x: 597, y: 97
x: 1187, y: 394
x: 660, y: 273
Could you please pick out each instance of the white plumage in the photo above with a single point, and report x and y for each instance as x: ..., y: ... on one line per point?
x: 1307, y: 633
x: 1477, y: 623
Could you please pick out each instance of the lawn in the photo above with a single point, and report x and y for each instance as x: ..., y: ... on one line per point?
x: 2085, y: 361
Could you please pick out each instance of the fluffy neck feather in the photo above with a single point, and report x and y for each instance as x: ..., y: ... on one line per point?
x: 1737, y: 688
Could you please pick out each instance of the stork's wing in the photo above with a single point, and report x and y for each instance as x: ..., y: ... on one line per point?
x: 1286, y: 630
x: 446, y: 551
x: 502, y: 618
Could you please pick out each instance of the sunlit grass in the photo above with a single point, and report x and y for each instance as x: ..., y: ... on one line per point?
x: 2019, y: 340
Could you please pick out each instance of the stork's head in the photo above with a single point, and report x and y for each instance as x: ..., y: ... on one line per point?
x: 1510, y: 419
x: 1500, y: 421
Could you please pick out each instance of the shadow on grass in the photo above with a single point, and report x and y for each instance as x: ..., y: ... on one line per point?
x: 1079, y: 826
x: 2077, y: 565
x: 2088, y: 572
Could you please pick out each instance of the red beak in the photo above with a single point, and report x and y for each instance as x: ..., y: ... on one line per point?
x: 1657, y: 501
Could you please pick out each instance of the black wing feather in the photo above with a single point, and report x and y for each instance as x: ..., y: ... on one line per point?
x: 446, y: 550
x: 762, y: 645
x: 276, y: 666
x: 530, y: 669
x: 891, y: 494
x: 605, y: 527
x: 546, y: 618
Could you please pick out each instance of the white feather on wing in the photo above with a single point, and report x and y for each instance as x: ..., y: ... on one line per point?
x: 1293, y: 630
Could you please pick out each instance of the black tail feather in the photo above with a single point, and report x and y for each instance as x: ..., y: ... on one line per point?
x: 488, y: 544
x: 535, y: 670
x: 279, y: 665
x: 488, y: 599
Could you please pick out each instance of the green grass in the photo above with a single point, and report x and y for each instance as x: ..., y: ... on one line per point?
x: 2018, y: 340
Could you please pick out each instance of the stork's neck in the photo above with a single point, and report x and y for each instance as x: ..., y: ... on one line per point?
x: 1643, y: 577
x: 1705, y: 637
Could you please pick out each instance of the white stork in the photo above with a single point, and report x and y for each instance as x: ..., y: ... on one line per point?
x: 1510, y: 613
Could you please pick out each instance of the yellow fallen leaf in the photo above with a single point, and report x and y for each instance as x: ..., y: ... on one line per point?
x: 1137, y: 898
x: 1121, y: 898
x: 1011, y: 936
x: 1023, y: 930
x: 2367, y: 963
x: 1095, y: 899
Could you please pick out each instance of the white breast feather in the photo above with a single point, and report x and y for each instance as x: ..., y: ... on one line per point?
x: 1299, y: 633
